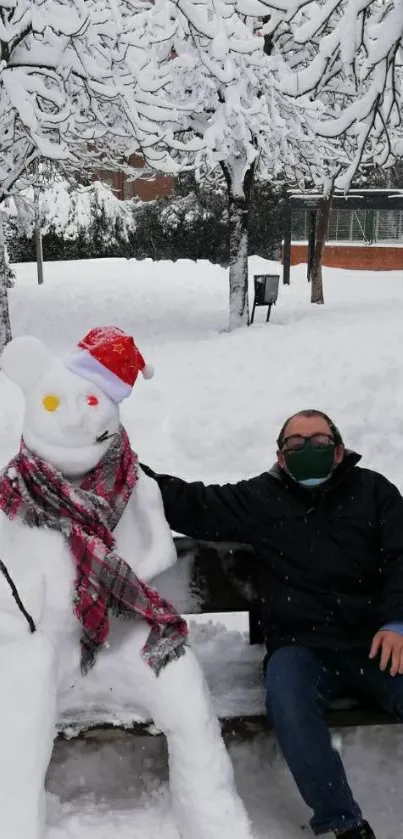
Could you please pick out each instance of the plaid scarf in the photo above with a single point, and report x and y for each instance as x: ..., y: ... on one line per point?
x: 40, y: 496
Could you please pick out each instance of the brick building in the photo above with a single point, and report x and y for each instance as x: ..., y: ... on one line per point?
x: 147, y: 187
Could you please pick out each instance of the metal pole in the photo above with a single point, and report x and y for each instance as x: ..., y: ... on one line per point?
x: 287, y: 243
x: 38, y: 234
x: 39, y: 253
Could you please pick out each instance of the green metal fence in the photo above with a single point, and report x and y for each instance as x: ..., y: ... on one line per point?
x: 354, y: 225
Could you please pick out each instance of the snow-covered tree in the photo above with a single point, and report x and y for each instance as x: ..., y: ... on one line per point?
x: 277, y: 88
x: 69, y: 211
x: 350, y: 54
x: 7, y: 277
x: 230, y: 100
x: 235, y: 79
x: 79, y: 85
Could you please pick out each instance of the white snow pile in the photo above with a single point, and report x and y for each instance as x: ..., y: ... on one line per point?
x: 212, y: 412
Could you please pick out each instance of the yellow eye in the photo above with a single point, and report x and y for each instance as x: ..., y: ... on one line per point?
x: 50, y: 402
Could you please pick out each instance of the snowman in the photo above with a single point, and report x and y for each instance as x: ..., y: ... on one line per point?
x: 83, y: 534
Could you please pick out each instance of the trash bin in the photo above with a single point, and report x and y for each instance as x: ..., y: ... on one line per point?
x: 266, y: 292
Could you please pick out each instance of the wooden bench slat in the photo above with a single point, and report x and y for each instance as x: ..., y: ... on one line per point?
x: 243, y: 727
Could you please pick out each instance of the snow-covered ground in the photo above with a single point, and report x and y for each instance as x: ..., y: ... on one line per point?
x: 217, y: 400
x: 213, y: 412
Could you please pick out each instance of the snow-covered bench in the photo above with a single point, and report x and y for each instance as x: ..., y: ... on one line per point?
x: 214, y: 581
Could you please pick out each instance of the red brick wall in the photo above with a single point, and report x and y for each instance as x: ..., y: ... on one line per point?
x: 159, y: 187
x: 359, y: 257
x: 148, y: 188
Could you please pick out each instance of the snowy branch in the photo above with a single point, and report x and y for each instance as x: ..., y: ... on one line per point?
x: 349, y: 54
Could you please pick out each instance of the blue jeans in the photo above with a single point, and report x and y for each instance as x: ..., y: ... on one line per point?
x: 300, y: 684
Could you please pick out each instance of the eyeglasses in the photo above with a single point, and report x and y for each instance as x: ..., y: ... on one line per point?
x: 296, y: 442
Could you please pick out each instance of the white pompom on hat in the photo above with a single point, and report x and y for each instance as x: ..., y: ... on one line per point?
x: 110, y: 359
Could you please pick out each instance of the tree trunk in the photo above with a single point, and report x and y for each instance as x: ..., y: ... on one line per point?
x: 322, y: 223
x: 238, y: 216
x: 238, y: 262
x: 6, y: 281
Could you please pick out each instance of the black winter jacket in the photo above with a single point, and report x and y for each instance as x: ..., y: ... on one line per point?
x: 329, y: 563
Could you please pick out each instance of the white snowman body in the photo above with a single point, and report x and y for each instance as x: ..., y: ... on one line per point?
x: 66, y: 420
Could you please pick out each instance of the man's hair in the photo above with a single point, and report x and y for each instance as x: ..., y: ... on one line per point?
x: 311, y: 412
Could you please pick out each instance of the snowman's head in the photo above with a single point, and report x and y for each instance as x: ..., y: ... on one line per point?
x: 72, y: 404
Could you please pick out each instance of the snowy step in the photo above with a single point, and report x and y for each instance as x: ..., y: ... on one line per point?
x: 120, y: 787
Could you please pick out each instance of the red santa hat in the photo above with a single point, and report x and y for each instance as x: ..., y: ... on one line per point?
x: 109, y: 358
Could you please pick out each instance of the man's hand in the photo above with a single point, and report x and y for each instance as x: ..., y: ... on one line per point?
x: 390, y: 645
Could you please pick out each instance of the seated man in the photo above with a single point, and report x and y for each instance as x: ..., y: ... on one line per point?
x: 328, y: 536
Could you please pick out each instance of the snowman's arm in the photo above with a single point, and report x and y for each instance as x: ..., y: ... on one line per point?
x: 211, y: 513
x: 157, y: 550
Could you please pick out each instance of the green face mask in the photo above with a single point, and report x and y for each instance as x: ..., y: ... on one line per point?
x: 310, y: 465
